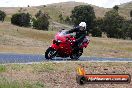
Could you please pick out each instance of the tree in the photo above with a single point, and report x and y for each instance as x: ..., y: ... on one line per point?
x: 61, y: 18
x: 96, y: 32
x: 98, y: 29
x: 20, y: 10
x: 113, y: 24
x: 21, y: 19
x: 38, y: 14
x: 41, y: 24
x: 116, y: 8
x: 44, y: 5
x: 41, y: 14
x: 130, y: 31
x: 41, y: 21
x: 68, y: 20
x: 2, y: 15
x: 83, y: 13
x: 131, y: 13
x: 127, y: 29
x: 99, y: 22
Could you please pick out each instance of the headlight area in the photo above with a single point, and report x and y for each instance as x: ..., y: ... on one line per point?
x: 57, y: 42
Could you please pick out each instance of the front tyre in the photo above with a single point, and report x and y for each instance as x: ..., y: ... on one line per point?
x: 50, y: 53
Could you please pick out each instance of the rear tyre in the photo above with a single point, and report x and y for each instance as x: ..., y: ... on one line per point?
x: 50, y: 53
x: 76, y: 54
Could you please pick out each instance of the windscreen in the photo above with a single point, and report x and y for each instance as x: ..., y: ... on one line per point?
x: 63, y: 33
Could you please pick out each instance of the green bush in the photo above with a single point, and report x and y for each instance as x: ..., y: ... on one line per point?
x: 113, y: 24
x: 61, y: 18
x: 21, y: 19
x: 127, y: 29
x: 41, y: 21
x: 96, y: 32
x: 2, y: 15
x: 68, y: 20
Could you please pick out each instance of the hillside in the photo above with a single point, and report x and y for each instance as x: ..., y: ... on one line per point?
x: 65, y: 9
x: 53, y: 9
x: 125, y: 9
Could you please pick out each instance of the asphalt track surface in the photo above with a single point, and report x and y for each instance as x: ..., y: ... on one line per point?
x: 29, y: 58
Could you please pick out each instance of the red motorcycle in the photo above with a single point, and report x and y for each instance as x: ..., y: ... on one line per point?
x: 63, y: 46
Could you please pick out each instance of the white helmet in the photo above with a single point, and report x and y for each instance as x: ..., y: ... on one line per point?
x: 82, y: 24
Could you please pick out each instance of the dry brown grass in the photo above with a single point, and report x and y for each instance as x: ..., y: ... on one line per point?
x: 61, y: 75
x: 108, y: 47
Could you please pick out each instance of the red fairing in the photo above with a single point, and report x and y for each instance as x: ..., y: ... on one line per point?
x: 85, y: 44
x: 55, y: 46
x: 64, y: 49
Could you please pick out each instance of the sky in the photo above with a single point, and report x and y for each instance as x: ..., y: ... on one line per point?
x: 24, y: 3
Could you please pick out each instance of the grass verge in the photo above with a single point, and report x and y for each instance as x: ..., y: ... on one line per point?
x: 59, y: 75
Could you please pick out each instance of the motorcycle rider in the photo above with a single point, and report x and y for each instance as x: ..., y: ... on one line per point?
x: 80, y: 33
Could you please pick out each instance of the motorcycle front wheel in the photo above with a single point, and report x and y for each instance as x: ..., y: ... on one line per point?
x: 50, y: 53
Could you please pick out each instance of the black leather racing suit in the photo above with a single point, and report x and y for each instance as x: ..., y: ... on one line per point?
x: 80, y: 35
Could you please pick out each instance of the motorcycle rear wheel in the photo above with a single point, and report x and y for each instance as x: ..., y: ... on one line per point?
x: 50, y: 53
x: 76, y: 55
